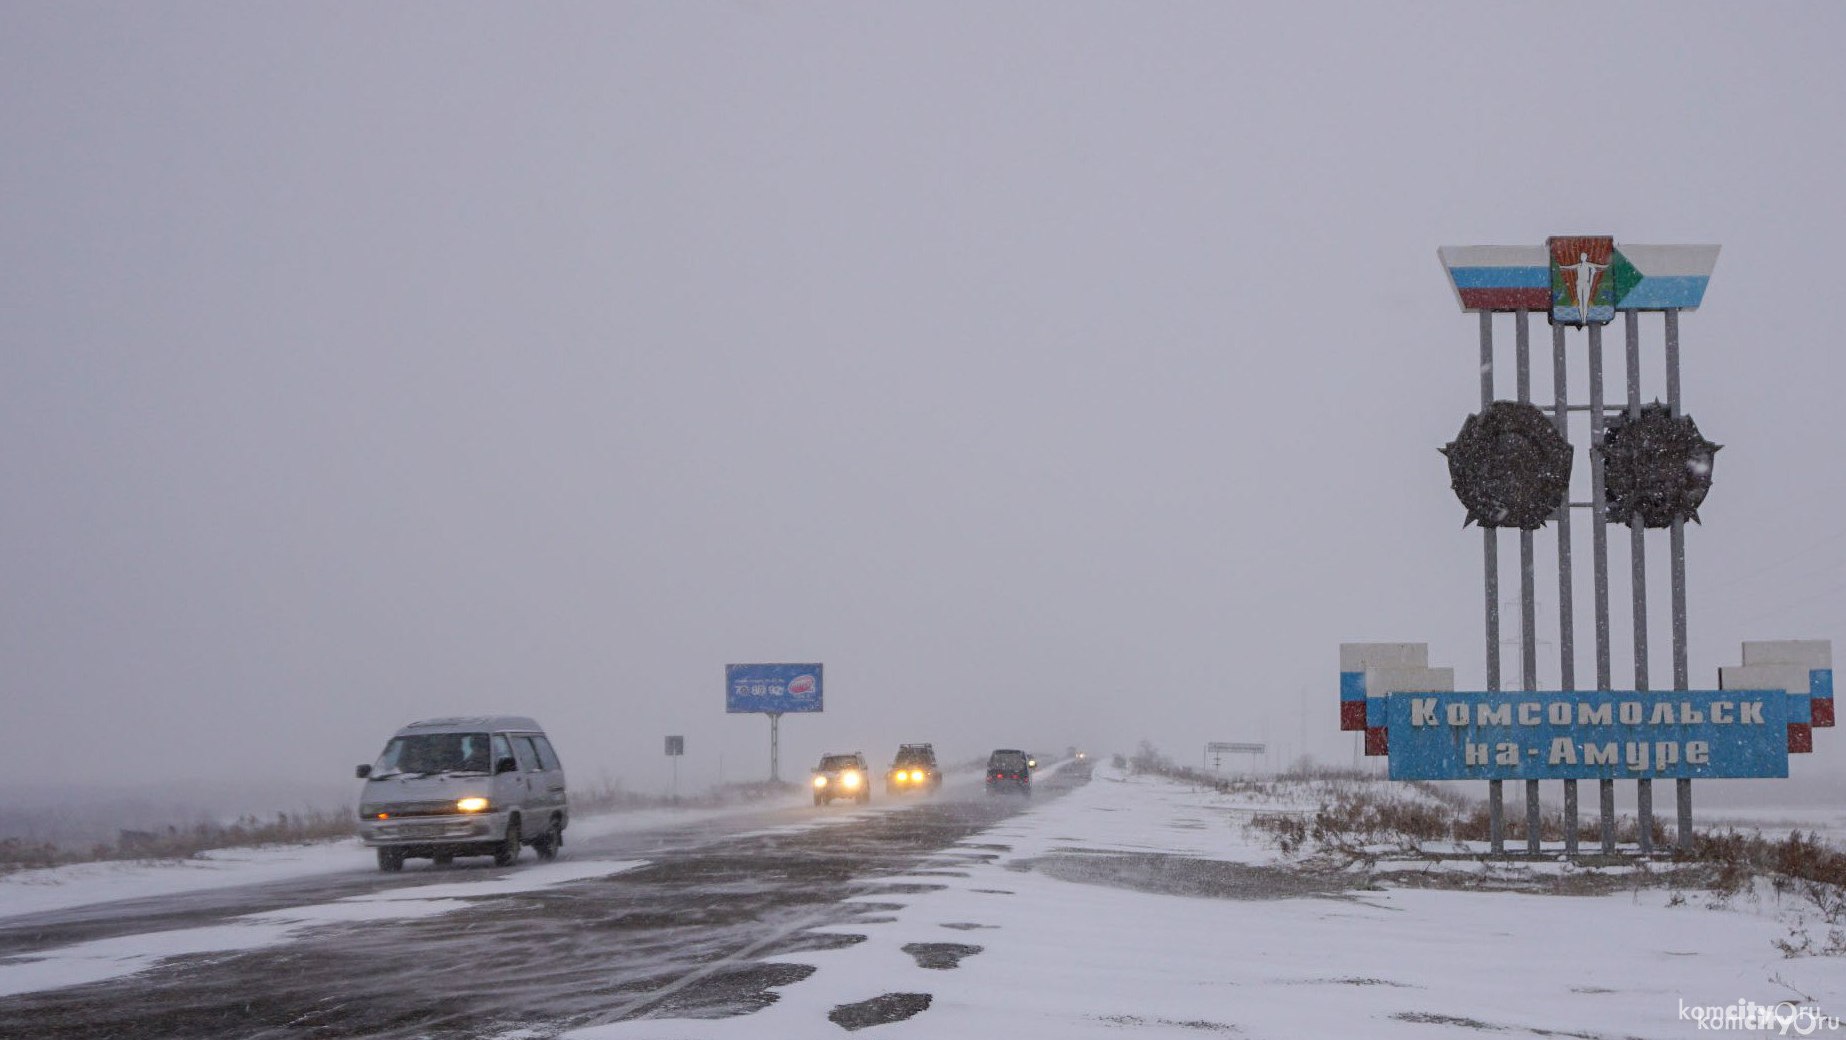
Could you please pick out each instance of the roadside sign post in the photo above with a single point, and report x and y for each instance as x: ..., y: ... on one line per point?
x: 772, y: 690
x: 1217, y: 749
x: 676, y: 748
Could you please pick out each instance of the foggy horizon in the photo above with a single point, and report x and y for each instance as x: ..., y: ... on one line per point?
x: 1056, y: 375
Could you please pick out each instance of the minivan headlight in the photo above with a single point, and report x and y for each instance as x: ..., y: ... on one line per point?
x: 849, y: 779
x: 472, y: 805
x: 820, y: 781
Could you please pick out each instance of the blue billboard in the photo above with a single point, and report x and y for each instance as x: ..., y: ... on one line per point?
x: 774, y: 688
x: 1588, y: 735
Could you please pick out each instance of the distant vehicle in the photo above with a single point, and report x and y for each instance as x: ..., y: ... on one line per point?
x: 842, y: 776
x: 914, y: 769
x: 475, y: 786
x: 1009, y: 771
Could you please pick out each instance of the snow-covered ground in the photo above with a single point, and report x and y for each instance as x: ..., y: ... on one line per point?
x: 84, y: 884
x: 1070, y: 959
x: 88, y: 884
x: 1132, y: 906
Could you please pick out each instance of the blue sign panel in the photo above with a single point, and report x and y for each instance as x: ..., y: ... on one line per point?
x: 1588, y: 735
x: 771, y: 687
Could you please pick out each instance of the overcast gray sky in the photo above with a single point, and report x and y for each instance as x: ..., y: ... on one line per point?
x: 1053, y: 372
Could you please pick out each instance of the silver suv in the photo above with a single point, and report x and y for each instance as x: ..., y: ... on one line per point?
x: 842, y: 776
x: 476, y: 786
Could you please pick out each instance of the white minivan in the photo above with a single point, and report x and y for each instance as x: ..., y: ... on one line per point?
x: 475, y: 786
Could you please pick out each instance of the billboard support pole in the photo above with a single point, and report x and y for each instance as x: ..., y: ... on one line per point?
x: 775, y: 746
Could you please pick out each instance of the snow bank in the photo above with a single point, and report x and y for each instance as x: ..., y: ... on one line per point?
x: 1064, y: 959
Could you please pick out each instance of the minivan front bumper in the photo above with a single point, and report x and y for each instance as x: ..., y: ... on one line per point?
x: 472, y: 828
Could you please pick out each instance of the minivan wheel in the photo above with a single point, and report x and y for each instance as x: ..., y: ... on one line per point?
x: 390, y: 859
x: 508, y: 852
x: 547, y: 846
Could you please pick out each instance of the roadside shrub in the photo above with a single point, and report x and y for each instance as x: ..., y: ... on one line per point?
x: 175, y: 842
x: 1148, y: 759
x: 1798, y: 866
x: 16, y: 854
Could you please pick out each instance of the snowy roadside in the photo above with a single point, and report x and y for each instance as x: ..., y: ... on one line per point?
x: 116, y: 957
x: 1036, y: 928
x: 84, y: 884
x: 1826, y: 823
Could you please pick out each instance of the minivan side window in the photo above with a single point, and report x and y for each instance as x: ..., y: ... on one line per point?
x: 547, y: 758
x: 528, y: 758
x: 502, y: 749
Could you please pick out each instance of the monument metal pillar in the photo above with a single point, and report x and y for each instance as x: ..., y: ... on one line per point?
x: 1490, y: 541
x: 1682, y: 677
x: 1599, y: 551
x: 1528, y: 598
x: 1567, y: 647
x: 1637, y: 552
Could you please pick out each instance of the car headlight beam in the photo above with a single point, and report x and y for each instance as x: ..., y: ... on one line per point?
x: 472, y: 805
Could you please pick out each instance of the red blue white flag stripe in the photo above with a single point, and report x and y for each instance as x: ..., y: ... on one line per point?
x: 1499, y: 278
x: 1518, y: 278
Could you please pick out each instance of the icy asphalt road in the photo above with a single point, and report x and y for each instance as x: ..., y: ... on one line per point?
x: 677, y: 921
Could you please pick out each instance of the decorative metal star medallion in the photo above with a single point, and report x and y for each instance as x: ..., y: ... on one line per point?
x: 1509, y: 466
x: 1656, y: 466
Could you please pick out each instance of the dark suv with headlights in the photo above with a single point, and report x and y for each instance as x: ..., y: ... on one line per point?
x: 914, y: 769
x: 842, y: 776
x: 1009, y: 771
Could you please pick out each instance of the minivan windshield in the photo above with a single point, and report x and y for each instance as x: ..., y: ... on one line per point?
x: 424, y: 753
x: 832, y: 762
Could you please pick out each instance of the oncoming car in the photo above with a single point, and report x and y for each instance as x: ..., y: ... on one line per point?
x: 842, y: 776
x: 1009, y: 771
x: 914, y: 769
x: 479, y: 786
